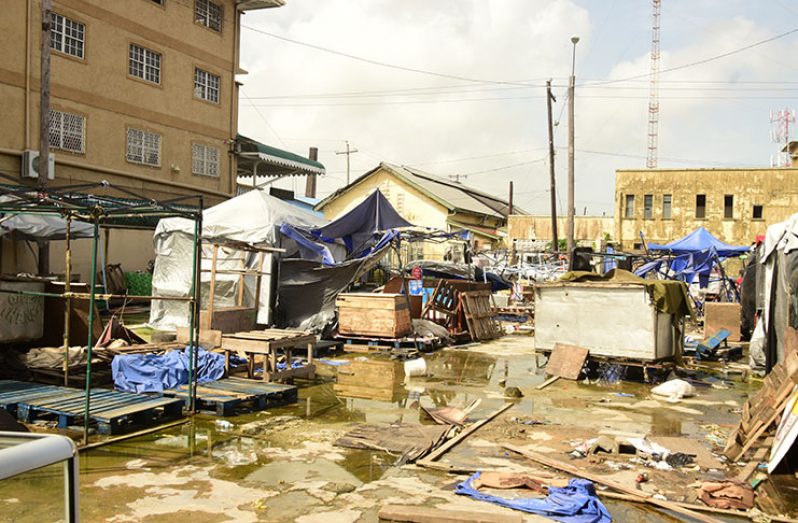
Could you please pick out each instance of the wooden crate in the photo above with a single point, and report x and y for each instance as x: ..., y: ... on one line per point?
x: 719, y: 316
x: 379, y: 380
x: 366, y: 314
x: 228, y: 319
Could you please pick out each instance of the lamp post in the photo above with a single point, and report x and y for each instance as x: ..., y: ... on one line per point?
x: 571, y: 82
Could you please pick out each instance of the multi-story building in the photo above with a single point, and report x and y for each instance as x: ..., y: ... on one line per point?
x: 733, y: 204
x: 143, y: 94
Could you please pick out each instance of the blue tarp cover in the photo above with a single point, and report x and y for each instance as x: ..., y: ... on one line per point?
x: 697, y: 241
x: 576, y: 503
x: 155, y: 373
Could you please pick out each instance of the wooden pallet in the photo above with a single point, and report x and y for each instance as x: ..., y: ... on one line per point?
x: 112, y: 411
x: 479, y: 315
x: 224, y: 397
x: 764, y: 408
x: 13, y: 392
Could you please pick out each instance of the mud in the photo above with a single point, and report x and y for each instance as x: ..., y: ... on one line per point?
x: 282, y: 465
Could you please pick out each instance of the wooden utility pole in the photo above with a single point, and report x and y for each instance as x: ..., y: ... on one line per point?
x: 555, y: 242
x: 510, y: 202
x: 571, y: 82
x: 44, y: 123
x: 310, y: 182
x: 348, y: 152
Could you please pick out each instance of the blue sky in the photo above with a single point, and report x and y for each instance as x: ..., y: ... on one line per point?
x: 711, y: 115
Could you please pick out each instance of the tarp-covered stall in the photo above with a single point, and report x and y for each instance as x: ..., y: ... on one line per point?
x: 615, y: 315
x: 253, y: 218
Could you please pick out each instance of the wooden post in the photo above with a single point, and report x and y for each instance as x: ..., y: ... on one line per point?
x: 555, y: 243
x: 211, y: 293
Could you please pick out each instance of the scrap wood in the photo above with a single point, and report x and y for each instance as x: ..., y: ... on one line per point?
x: 547, y: 382
x: 410, y: 441
x: 759, y: 456
x: 566, y: 361
x: 430, y: 461
x: 509, y: 480
x: 450, y: 415
x: 730, y: 493
x: 600, y: 479
x: 418, y: 514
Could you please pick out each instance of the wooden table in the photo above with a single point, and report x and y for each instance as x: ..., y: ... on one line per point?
x: 267, y: 343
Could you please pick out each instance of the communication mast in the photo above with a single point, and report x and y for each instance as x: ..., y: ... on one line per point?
x: 780, y: 121
x: 653, y: 97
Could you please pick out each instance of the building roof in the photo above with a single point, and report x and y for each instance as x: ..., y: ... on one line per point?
x: 453, y: 195
x: 278, y: 161
x: 250, y: 5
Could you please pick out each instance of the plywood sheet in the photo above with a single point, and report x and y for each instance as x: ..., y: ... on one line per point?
x: 566, y: 361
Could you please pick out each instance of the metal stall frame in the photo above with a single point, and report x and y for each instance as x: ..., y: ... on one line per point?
x: 68, y: 203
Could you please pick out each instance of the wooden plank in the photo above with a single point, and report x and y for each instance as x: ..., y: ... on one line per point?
x: 719, y: 316
x: 602, y: 480
x: 208, y: 338
x: 566, y: 361
x: 417, y: 514
x: 430, y: 461
x: 547, y: 382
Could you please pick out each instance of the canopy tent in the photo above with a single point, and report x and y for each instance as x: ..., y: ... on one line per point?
x: 253, y: 218
x: 367, y: 228
x: 41, y: 226
x: 697, y: 241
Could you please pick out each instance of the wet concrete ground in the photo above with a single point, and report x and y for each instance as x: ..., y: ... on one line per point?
x: 282, y: 465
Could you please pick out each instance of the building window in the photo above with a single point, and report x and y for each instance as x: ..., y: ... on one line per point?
x: 67, y: 131
x: 667, y: 201
x: 757, y: 212
x: 629, y: 210
x: 700, y: 206
x: 159, y: 2
x: 204, y: 160
x: 728, y: 206
x: 143, y: 147
x: 206, y: 85
x: 648, y: 206
x: 67, y: 36
x: 208, y: 14
x: 145, y: 64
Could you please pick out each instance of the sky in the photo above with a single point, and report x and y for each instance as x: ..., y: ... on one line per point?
x: 457, y: 87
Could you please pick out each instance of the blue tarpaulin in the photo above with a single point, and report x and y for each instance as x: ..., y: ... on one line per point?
x: 576, y: 503
x: 155, y: 373
x: 697, y: 241
x: 684, y: 267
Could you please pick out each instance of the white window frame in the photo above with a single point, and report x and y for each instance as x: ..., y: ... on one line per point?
x: 68, y: 36
x: 67, y: 131
x: 207, y: 86
x: 208, y: 14
x: 143, y: 147
x: 205, y: 160
x: 144, y: 64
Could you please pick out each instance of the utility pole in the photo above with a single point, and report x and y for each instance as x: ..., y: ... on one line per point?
x: 44, y: 123
x: 510, y: 202
x: 571, y: 82
x: 348, y: 152
x: 653, y: 95
x: 555, y: 242
x: 310, y: 182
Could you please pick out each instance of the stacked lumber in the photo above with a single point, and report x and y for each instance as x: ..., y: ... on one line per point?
x: 764, y: 408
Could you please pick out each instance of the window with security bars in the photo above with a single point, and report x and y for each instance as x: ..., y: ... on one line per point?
x: 67, y: 36
x: 204, y: 160
x: 143, y: 147
x: 209, y: 14
x: 206, y: 85
x: 144, y: 63
x: 67, y: 131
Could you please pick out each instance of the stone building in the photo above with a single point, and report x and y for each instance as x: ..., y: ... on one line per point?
x: 733, y: 204
x: 589, y: 231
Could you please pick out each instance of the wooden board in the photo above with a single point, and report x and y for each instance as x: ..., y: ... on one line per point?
x: 566, y: 361
x: 417, y: 514
x: 232, y: 319
x: 719, y: 316
x: 380, y: 315
x: 208, y: 338
x: 480, y: 316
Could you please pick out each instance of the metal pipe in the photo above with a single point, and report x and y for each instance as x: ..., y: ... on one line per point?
x: 93, y: 287
x: 68, y: 303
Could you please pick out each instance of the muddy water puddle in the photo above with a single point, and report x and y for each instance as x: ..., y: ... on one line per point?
x: 283, y: 465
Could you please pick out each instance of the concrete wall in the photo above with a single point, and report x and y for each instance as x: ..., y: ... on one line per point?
x: 586, y: 228
x: 776, y: 190
x: 100, y: 88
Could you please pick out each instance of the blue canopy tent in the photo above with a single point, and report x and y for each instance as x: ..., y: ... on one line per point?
x: 698, y: 241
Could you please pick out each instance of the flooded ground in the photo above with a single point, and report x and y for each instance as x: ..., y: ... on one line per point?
x: 282, y: 465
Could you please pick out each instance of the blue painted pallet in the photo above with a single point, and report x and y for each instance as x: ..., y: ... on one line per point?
x: 708, y: 346
x: 111, y: 410
x: 223, y: 397
x: 13, y: 392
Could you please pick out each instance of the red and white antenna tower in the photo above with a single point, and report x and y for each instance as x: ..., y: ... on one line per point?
x: 780, y: 121
x: 653, y: 96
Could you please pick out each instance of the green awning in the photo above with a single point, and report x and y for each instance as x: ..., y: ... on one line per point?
x: 270, y: 161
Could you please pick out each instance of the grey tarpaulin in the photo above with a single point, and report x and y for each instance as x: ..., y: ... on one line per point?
x: 41, y: 226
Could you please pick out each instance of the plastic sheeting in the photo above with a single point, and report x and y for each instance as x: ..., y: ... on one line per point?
x: 697, y: 241
x: 42, y: 226
x: 155, y: 373
x: 576, y: 503
x: 255, y: 218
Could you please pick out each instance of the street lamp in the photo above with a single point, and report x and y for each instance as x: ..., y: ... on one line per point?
x: 570, y: 215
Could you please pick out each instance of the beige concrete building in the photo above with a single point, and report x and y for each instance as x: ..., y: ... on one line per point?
x: 733, y: 204
x: 535, y: 230
x: 429, y: 201
x: 143, y: 95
